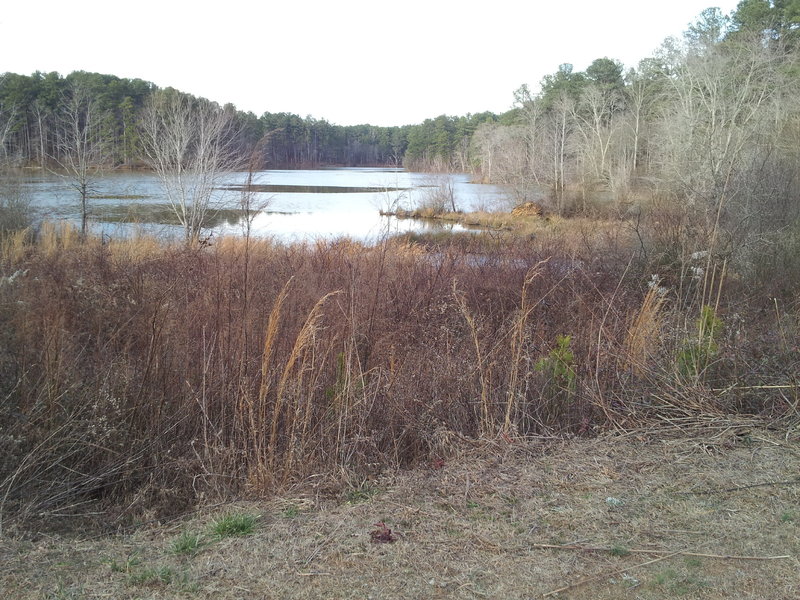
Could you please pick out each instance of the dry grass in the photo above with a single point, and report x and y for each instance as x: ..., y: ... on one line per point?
x: 575, y: 232
x: 645, y: 330
x: 139, y: 379
x: 482, y: 522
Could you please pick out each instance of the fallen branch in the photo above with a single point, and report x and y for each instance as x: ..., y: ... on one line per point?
x: 756, y: 387
x: 608, y: 574
x: 661, y: 552
x: 743, y: 487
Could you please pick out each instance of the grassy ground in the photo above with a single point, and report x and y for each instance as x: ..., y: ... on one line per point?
x: 475, y: 524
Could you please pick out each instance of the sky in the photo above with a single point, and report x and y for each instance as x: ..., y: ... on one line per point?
x: 347, y: 61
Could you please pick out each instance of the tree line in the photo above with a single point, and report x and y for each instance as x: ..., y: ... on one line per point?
x: 36, y: 112
x: 691, y: 115
x: 711, y: 115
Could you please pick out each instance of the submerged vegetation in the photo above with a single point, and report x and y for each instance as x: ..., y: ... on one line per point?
x: 163, y: 214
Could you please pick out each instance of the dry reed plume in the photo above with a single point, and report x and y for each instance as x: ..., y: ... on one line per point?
x: 644, y: 336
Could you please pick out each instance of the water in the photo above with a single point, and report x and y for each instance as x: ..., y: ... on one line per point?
x: 298, y: 205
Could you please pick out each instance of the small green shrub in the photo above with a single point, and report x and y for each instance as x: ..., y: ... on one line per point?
x: 559, y: 366
x: 557, y: 389
x: 618, y: 550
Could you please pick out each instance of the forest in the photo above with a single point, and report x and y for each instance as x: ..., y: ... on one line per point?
x: 36, y: 109
x: 656, y: 285
x: 703, y: 112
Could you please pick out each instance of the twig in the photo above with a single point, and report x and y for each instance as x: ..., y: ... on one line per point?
x: 319, y: 546
x: 662, y: 552
x: 607, y: 574
x: 755, y: 387
x: 742, y: 487
x: 415, y: 509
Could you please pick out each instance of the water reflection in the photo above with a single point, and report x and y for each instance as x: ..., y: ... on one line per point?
x: 308, y: 189
x: 295, y: 205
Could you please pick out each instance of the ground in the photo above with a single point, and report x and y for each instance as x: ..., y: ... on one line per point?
x: 714, y: 512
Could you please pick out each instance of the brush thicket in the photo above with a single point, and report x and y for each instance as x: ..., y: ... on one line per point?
x: 149, y: 376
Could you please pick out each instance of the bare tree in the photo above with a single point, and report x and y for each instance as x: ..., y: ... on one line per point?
x: 80, y: 151
x: 7, y: 115
x: 439, y: 194
x: 560, y: 133
x: 531, y: 111
x: 6, y: 121
x: 189, y: 144
x: 638, y: 98
x: 721, y: 108
x: 484, y: 149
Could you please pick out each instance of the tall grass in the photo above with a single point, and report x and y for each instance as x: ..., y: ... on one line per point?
x: 137, y: 376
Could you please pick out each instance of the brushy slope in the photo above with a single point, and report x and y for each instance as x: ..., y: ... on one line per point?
x: 139, y: 376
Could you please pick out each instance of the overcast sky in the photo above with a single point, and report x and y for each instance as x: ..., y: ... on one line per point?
x: 348, y: 61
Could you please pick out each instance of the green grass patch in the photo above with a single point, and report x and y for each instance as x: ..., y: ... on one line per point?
x: 234, y: 524
x: 119, y: 197
x: 361, y: 493
x: 187, y: 543
x: 161, y: 214
x: 618, y: 550
x: 308, y: 189
x: 63, y: 593
x: 152, y: 576
x: 680, y: 582
x: 127, y: 566
x: 693, y: 562
x: 290, y: 512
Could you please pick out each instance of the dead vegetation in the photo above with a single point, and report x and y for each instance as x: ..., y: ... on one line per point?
x: 141, y: 379
x: 706, y: 512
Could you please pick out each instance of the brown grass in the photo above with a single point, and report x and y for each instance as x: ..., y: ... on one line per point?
x: 649, y: 515
x: 644, y: 332
x: 139, y: 378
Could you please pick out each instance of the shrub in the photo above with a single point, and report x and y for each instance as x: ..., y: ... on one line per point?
x: 15, y: 208
x: 559, y: 366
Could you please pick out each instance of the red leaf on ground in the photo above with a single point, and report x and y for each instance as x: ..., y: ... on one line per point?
x: 382, y: 534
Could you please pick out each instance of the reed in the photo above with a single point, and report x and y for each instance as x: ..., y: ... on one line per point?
x: 257, y: 415
x: 518, y: 340
x: 296, y: 386
x: 14, y: 245
x: 643, y: 341
x: 483, y: 368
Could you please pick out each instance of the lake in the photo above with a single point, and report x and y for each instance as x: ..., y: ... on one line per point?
x: 298, y: 205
